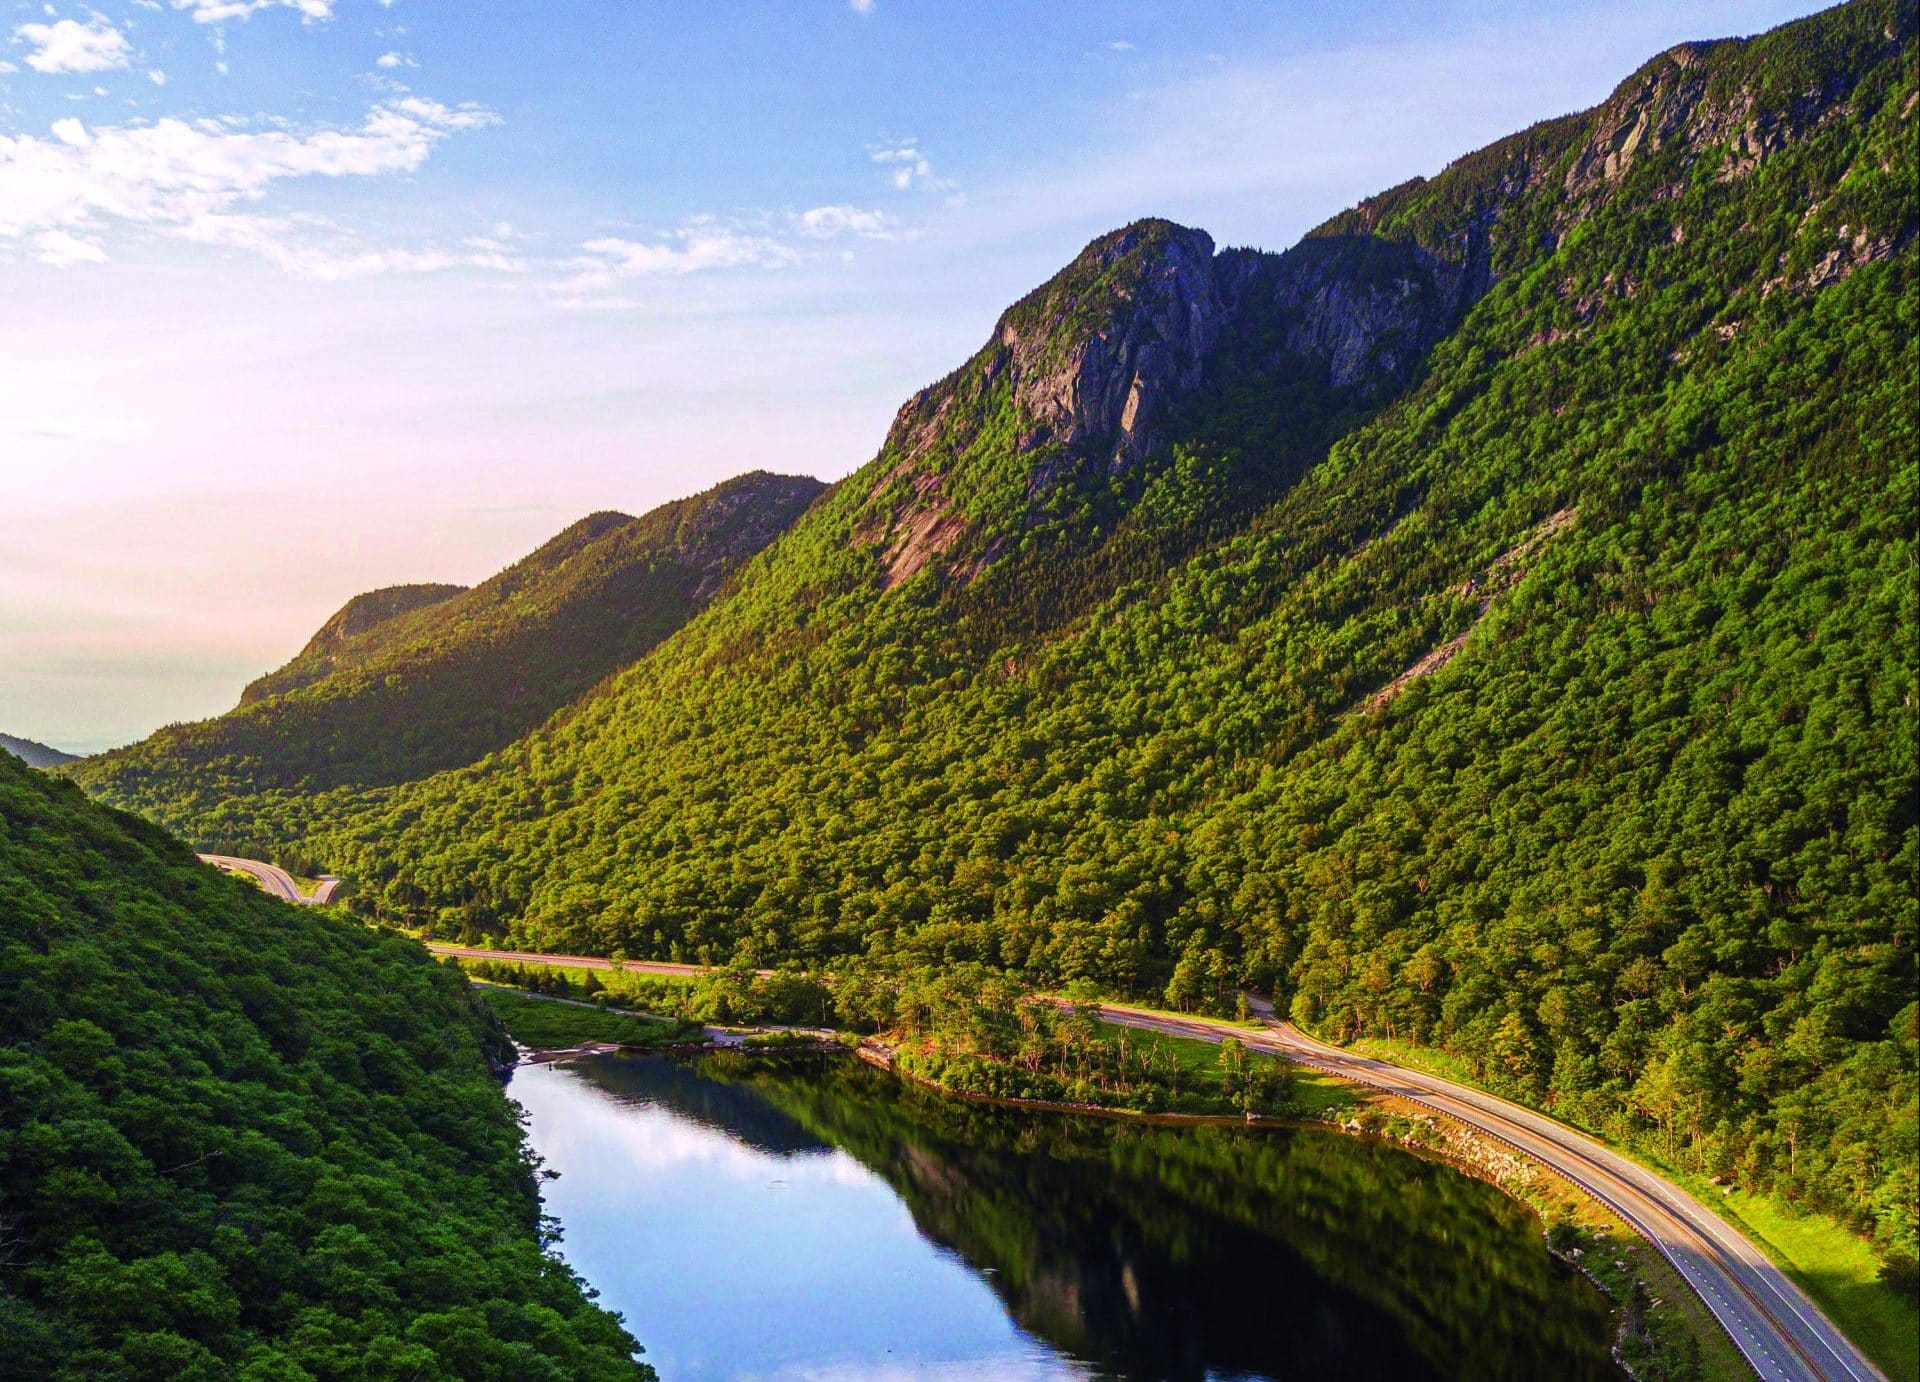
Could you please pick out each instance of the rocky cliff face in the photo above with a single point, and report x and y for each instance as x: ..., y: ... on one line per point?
x: 1361, y: 311
x: 737, y: 519
x: 1086, y: 377
x: 1107, y: 392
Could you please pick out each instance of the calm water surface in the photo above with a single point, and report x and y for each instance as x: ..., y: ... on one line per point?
x: 809, y: 1218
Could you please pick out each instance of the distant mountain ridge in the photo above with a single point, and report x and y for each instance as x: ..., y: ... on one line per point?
x: 409, y: 680
x: 353, y: 633
x: 35, y: 754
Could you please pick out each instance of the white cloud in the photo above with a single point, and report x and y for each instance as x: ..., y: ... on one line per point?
x: 860, y: 6
x: 392, y: 60
x: 1119, y: 45
x: 699, y: 245
x: 218, y: 11
x: 70, y: 46
x: 907, y: 167
x: 190, y: 179
x: 764, y: 241
x: 157, y: 77
x: 826, y: 222
x: 6, y: 67
x: 62, y: 250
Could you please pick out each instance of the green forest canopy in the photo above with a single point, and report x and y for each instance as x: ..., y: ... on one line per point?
x: 242, y: 1139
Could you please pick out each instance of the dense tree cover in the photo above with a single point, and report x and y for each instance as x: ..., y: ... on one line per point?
x: 241, y: 1139
x: 967, y: 1028
x: 543, y: 1025
x: 1553, y: 704
x: 372, y: 622
x: 409, y: 680
x: 974, y: 1030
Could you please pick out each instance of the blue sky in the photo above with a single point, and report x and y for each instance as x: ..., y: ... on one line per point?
x: 303, y: 297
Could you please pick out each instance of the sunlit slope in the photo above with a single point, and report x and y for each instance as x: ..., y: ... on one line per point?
x: 239, y: 1138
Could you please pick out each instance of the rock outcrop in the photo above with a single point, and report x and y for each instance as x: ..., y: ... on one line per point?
x: 1086, y: 376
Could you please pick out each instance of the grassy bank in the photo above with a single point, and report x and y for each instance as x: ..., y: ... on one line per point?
x: 1833, y: 1266
x: 548, y: 1024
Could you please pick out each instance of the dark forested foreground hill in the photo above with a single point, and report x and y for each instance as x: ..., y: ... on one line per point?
x: 238, y: 1139
x: 33, y: 753
x: 408, y: 680
x: 1489, y: 624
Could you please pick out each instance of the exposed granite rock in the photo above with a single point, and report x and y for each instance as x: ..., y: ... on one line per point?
x: 1364, y: 310
x: 1096, y: 363
x: 1106, y: 392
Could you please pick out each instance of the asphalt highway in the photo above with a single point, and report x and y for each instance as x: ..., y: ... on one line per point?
x: 1783, y: 1335
x: 273, y: 879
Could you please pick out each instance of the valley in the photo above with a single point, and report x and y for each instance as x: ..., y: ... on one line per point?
x: 1347, y: 810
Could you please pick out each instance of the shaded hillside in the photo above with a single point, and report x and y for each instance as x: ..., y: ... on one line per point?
x: 33, y: 753
x: 405, y: 681
x: 221, y: 1119
x: 356, y: 633
x: 1489, y: 624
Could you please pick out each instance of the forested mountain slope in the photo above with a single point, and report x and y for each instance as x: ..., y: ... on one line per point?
x: 353, y: 635
x: 240, y: 1139
x: 1491, y: 623
x: 405, y: 681
x: 33, y: 753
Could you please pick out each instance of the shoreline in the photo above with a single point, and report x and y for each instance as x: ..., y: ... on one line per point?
x: 1471, y: 1155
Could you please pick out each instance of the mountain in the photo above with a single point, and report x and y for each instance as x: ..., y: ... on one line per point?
x: 33, y: 754
x: 356, y: 632
x: 404, y: 681
x: 1489, y: 624
x: 221, y: 1118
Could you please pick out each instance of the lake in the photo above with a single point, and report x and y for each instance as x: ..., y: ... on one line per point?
x: 811, y: 1218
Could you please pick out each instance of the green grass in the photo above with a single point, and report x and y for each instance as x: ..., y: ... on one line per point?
x: 1322, y: 1096
x: 1314, y: 1095
x: 1422, y: 1058
x: 1830, y: 1263
x: 548, y: 1024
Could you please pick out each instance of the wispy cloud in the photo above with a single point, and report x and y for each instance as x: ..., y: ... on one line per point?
x: 860, y: 6
x: 827, y: 222
x: 699, y: 245
x: 60, y: 249
x: 906, y: 166
x: 219, y: 11
x: 190, y: 180
x: 69, y: 46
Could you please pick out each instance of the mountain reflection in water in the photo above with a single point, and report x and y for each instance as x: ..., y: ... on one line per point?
x: 811, y: 1217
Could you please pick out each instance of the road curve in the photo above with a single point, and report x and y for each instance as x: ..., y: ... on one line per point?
x: 1782, y: 1334
x: 273, y: 879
